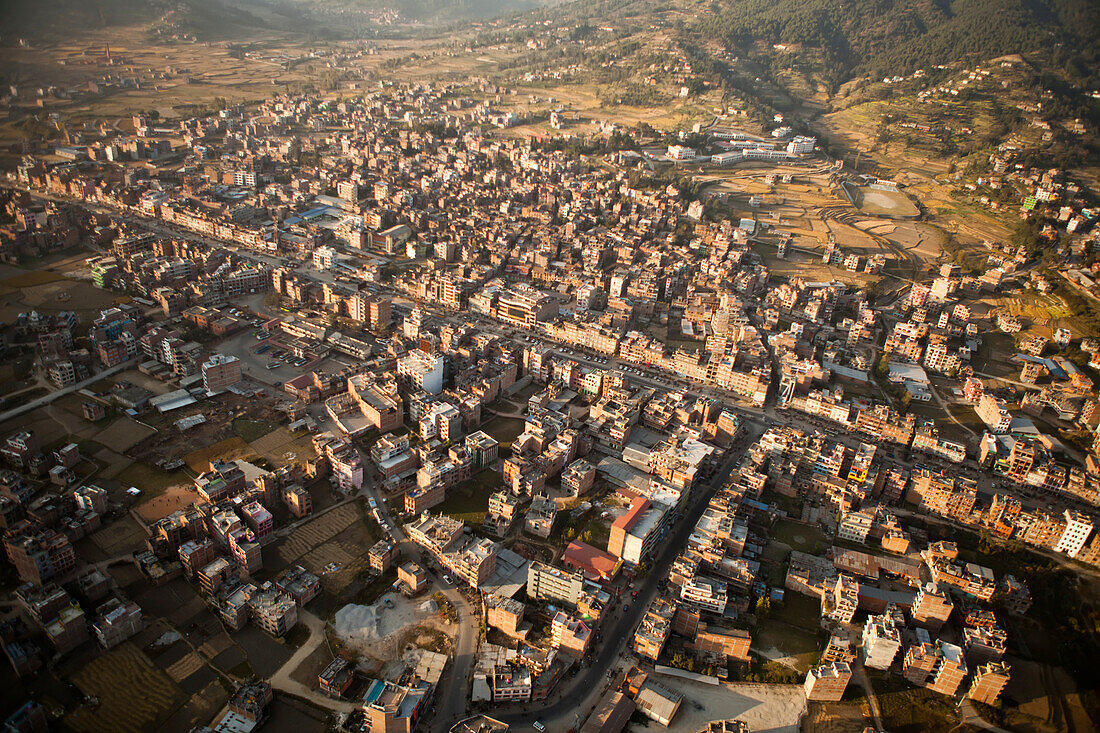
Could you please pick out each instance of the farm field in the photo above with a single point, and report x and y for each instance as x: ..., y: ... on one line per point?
x: 133, y: 695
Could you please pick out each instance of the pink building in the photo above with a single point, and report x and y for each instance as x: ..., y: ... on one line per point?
x: 258, y: 518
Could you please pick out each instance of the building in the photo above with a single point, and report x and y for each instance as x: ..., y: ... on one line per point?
x: 422, y: 370
x: 548, y: 583
x: 882, y: 639
x: 41, y: 555
x: 634, y: 535
x: 397, y: 708
x: 413, y: 578
x: 220, y: 372
x: 931, y: 608
x: 273, y: 611
x: 335, y: 679
x: 827, y: 682
x: 658, y: 702
x: 570, y: 634
x: 300, y: 584
x: 1078, y: 529
x: 382, y: 555
x: 939, y: 666
x: 506, y: 614
x: 989, y: 680
x: 117, y: 622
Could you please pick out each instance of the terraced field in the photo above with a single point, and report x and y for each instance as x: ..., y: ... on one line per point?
x: 133, y: 694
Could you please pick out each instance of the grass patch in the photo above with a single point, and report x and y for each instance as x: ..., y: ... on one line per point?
x: 801, y: 645
x: 297, y: 636
x: 152, y: 481
x: 798, y: 536
x: 469, y: 501
x: 913, y: 710
x: 504, y: 429
x: 375, y: 588
x: 798, y: 610
x: 250, y: 430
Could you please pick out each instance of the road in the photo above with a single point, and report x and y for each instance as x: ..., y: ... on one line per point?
x: 47, y: 399
x: 575, y: 694
x: 282, y: 681
x: 453, y: 691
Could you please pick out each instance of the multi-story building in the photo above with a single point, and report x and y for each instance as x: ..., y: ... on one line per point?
x: 570, y: 634
x: 939, y: 666
x: 382, y: 555
x: 882, y: 639
x: 548, y: 583
x: 989, y: 680
x: 423, y: 370
x: 220, y: 372
x: 1078, y: 529
x: 828, y: 682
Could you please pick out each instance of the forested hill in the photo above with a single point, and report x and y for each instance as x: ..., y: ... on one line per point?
x: 877, y: 37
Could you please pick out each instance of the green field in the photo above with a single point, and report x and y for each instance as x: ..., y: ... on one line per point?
x: 469, y: 501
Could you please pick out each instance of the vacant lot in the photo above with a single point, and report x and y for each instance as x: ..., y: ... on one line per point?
x: 227, y: 450
x: 469, y: 501
x: 504, y: 429
x: 799, y: 536
x: 133, y: 694
x: 123, y: 434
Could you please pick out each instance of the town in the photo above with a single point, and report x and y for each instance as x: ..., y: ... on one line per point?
x: 366, y: 413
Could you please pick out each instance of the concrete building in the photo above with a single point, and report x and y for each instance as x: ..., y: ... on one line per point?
x: 548, y: 583
x: 1078, y: 530
x: 827, y: 682
x: 989, y: 680
x: 882, y: 639
x: 220, y: 372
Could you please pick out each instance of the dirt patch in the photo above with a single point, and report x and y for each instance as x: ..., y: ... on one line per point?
x: 230, y: 449
x: 120, y: 537
x: 170, y: 500
x: 282, y: 446
x: 123, y: 434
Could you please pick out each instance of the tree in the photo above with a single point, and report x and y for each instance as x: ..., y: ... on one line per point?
x: 763, y: 608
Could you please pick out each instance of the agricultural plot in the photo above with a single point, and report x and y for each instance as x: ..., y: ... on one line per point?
x: 133, y: 694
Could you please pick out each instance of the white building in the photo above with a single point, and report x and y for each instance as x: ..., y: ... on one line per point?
x: 882, y: 639
x: 681, y: 152
x: 324, y: 258
x: 800, y: 145
x: 422, y: 369
x: 1078, y: 530
x: 855, y: 527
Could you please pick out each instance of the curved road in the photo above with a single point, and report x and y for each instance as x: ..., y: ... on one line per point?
x: 451, y: 696
x: 621, y: 630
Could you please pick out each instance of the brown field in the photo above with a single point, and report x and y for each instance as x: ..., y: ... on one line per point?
x: 123, y: 434
x: 282, y: 446
x: 119, y: 537
x: 56, y: 295
x: 133, y: 694
x: 229, y: 449
x: 30, y: 279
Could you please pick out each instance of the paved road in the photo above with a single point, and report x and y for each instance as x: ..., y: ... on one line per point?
x: 576, y: 692
x: 47, y: 399
x: 452, y: 693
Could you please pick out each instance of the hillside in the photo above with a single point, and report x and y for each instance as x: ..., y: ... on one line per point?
x: 875, y: 37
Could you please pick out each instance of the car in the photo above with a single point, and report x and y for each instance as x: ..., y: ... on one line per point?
x: 538, y: 725
x: 447, y: 579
